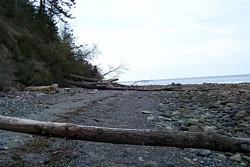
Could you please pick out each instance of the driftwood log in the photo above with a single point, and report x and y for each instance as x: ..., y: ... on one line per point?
x: 45, y: 89
x: 80, y: 78
x: 116, y: 86
x: 212, y: 141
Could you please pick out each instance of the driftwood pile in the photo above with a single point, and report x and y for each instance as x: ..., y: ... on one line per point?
x: 72, y: 80
x: 111, y: 84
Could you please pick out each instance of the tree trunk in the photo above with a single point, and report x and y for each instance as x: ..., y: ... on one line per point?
x: 116, y: 86
x: 80, y: 78
x: 212, y: 141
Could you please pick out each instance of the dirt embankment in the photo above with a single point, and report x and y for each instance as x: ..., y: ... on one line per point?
x: 211, y: 107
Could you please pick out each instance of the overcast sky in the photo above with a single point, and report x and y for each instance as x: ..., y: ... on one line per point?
x: 161, y: 39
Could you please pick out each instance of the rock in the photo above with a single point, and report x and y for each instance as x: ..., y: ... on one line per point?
x: 164, y: 126
x: 236, y: 157
x: 176, y: 113
x: 146, y: 112
x: 169, y: 164
x: 195, y: 129
x: 232, y: 105
x: 180, y: 121
x: 150, y: 164
x: 247, y: 158
x: 243, y: 164
x: 92, y: 91
x: 247, y: 119
x: 159, y: 124
x: 191, y: 122
x: 202, y: 152
x: 183, y: 128
x: 209, y: 129
x: 241, y: 114
x: 221, y: 156
x: 151, y: 118
x: 141, y: 159
x: 162, y: 109
x: 4, y: 148
x: 189, y: 161
x: 166, y: 119
x: 226, y: 101
x: 166, y: 115
x: 168, y: 128
x: 214, y: 106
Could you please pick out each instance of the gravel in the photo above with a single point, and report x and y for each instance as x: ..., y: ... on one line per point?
x: 222, y: 108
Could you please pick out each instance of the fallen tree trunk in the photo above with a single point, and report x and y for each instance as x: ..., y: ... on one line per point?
x: 116, y: 86
x: 212, y: 141
x: 88, y: 85
x: 81, y: 78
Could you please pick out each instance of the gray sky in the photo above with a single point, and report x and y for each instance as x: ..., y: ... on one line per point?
x: 161, y: 39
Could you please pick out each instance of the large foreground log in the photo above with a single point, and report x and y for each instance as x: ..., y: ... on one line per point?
x: 212, y: 141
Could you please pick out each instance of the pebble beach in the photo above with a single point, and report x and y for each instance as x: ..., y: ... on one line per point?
x: 220, y: 108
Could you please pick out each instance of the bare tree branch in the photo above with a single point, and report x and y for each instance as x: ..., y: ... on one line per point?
x: 115, y: 72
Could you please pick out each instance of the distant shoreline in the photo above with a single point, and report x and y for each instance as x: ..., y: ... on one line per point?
x: 193, y: 80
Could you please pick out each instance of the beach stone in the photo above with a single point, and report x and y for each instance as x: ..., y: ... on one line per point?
x: 243, y: 164
x: 150, y: 164
x: 180, y: 121
x: 191, y: 122
x: 3, y: 148
x: 226, y: 101
x: 221, y: 156
x: 247, y: 158
x: 194, y: 128
x: 214, y: 106
x: 227, y: 109
x: 151, y: 118
x: 202, y: 152
x: 183, y: 128
x: 244, y: 124
x: 247, y: 119
x: 209, y: 129
x: 162, y: 109
x: 232, y: 105
x: 166, y: 115
x: 241, y: 114
x: 236, y: 157
x: 168, y: 128
x: 159, y: 124
x: 146, y: 112
x: 176, y: 113
x: 169, y: 164
x: 164, y: 118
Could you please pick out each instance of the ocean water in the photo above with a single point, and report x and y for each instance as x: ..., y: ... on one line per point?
x: 196, y: 80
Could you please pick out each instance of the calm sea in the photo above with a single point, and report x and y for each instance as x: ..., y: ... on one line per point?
x: 196, y: 80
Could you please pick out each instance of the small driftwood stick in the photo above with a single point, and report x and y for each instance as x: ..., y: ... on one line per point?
x: 212, y: 141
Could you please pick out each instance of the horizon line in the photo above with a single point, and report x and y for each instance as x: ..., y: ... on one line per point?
x: 216, y: 76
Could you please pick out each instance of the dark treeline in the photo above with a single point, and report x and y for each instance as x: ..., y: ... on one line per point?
x: 32, y: 43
